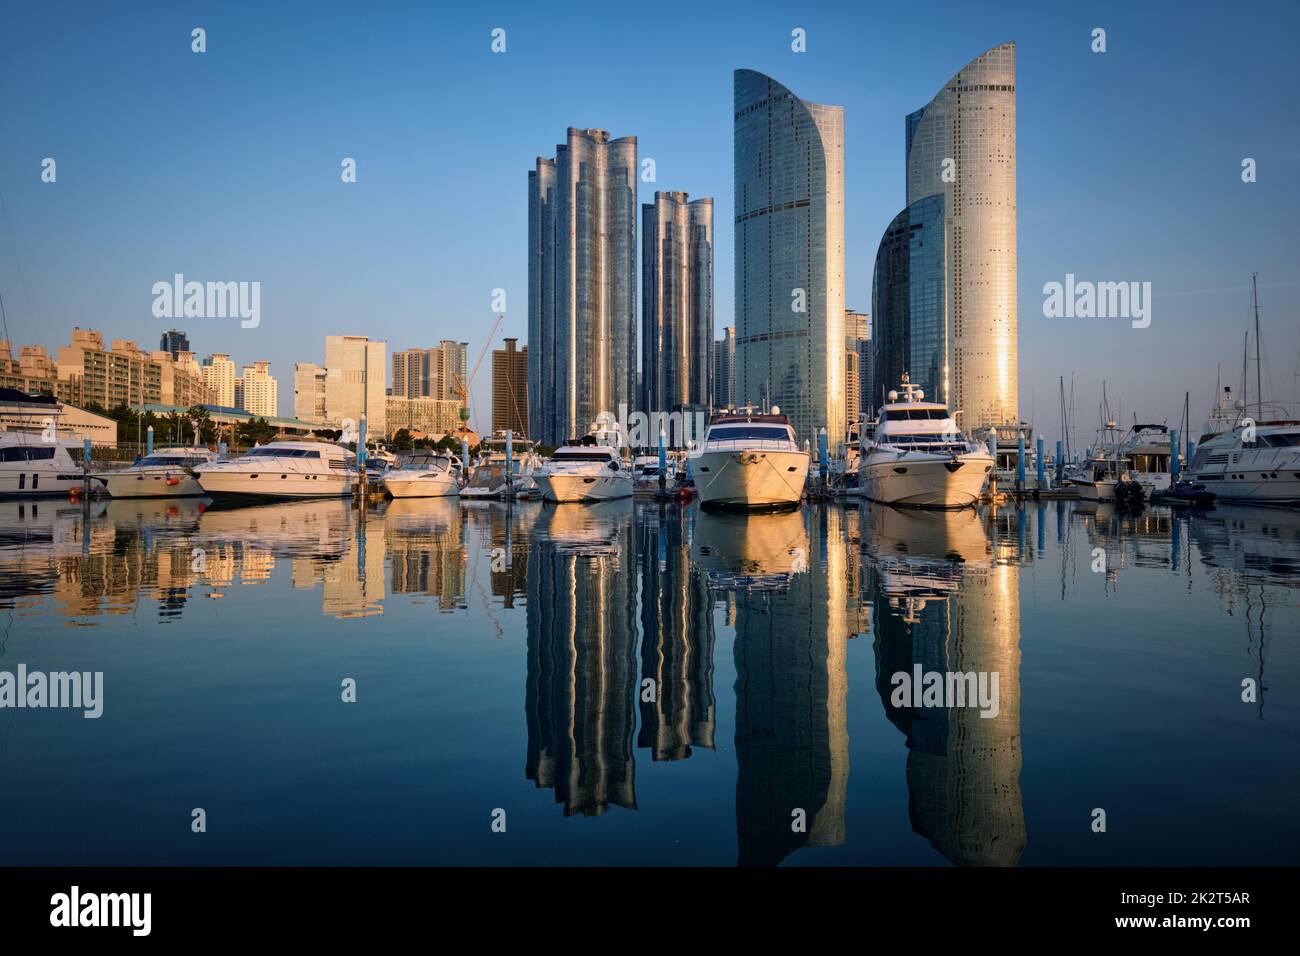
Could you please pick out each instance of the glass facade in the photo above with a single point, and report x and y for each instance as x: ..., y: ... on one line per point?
x: 961, y: 147
x: 581, y: 283
x: 677, y: 303
x: 909, y: 298
x: 789, y: 229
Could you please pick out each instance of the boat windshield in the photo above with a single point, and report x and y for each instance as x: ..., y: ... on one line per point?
x: 270, y: 452
x: 748, y: 433
x: 564, y: 455
x: 914, y: 414
x: 168, y: 461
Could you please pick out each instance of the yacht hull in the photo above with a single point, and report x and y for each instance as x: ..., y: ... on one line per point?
x: 151, y: 484
x: 37, y: 482
x: 750, y: 480
x: 427, y: 485
x: 275, y: 484
x: 579, y: 487
x: 924, y: 481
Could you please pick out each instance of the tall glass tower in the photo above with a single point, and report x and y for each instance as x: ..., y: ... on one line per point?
x: 677, y: 303
x: 789, y: 176
x: 581, y: 283
x: 954, y: 331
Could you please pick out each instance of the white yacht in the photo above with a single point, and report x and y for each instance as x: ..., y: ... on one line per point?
x: 645, y: 474
x: 32, y: 466
x: 1105, y: 475
x: 1148, y: 451
x: 750, y: 461
x: 1262, y: 470
x: 918, y: 457
x: 166, y: 473
x: 584, y: 470
x: 282, y: 469
x: 424, y: 474
x: 35, y: 456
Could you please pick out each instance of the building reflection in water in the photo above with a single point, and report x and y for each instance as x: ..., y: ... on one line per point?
x: 788, y: 577
x: 581, y: 688
x: 677, y: 706
x: 947, y: 599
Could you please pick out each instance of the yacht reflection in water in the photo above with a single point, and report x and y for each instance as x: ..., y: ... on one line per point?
x: 946, y: 601
x: 788, y: 577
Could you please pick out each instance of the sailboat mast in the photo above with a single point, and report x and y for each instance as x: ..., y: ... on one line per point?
x: 1259, y: 389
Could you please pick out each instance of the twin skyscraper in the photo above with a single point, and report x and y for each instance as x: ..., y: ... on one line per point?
x: 943, y: 291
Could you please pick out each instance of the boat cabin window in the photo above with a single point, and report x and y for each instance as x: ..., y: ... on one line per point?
x: 743, y: 432
x: 283, y: 453
x: 914, y: 414
x: 934, y: 438
x: 1281, y: 440
x: 580, y: 456
x: 27, y: 453
x: 172, y: 462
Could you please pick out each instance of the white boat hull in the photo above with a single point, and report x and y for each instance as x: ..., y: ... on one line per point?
x: 421, y: 485
x: 29, y: 482
x: 150, y: 484
x: 924, y: 481
x: 275, y: 484
x: 750, y: 479
x: 579, y: 487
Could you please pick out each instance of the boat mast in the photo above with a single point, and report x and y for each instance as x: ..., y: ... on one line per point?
x: 1259, y: 389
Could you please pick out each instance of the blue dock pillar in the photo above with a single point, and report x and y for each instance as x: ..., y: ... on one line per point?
x: 221, y: 451
x: 1020, y: 462
x: 663, y: 462
x: 1191, y: 452
x: 1060, y: 464
x: 361, y: 460
x: 464, y: 459
x: 823, y: 456
x: 148, y: 441
x: 1042, y: 465
x: 1175, y: 466
x: 510, y: 462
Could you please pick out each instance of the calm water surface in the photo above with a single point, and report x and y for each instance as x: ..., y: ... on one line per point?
x: 502, y: 657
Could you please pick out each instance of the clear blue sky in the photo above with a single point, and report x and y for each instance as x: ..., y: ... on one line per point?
x: 225, y: 165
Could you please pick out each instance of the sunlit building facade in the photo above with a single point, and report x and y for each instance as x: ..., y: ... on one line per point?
x: 581, y: 284
x: 961, y: 148
x: 789, y: 207
x: 677, y: 303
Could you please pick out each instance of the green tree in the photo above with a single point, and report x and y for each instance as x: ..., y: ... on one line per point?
x: 402, y: 440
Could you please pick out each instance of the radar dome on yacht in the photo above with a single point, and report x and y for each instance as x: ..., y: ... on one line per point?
x: 776, y: 409
x: 893, y: 395
x: 920, y: 395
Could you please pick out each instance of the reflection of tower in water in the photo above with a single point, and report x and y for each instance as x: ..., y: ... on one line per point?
x: 581, y: 692
x: 788, y: 576
x: 948, y: 606
x: 677, y: 643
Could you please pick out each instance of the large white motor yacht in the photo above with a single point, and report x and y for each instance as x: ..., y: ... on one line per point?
x: 35, y: 456
x: 584, y: 470
x: 750, y: 461
x: 282, y: 469
x: 166, y: 473
x: 424, y: 474
x: 1252, y: 462
x: 917, y: 456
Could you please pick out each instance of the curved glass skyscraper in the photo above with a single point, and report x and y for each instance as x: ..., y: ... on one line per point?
x: 581, y: 284
x: 677, y: 303
x: 961, y: 147
x: 789, y: 176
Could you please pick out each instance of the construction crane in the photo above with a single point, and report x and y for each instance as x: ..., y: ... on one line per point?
x: 461, y: 388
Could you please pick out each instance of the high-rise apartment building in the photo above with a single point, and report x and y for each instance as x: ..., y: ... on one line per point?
x: 309, y: 392
x: 724, y: 369
x: 122, y: 374
x: 258, y: 388
x: 219, y: 374
x: 789, y: 208
x: 677, y: 303
x: 356, y: 381
x: 431, y: 373
x: 944, y: 290
x: 857, y: 340
x: 581, y: 284
x: 510, y: 388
